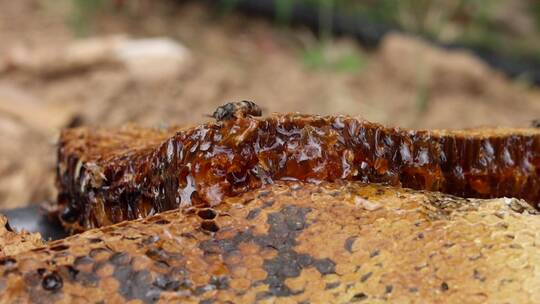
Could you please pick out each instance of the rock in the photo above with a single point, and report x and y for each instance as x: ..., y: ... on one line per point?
x: 77, y: 56
x: 144, y: 59
x: 41, y: 117
x: 153, y: 58
x: 514, y: 18
x: 27, y: 127
x: 415, y: 62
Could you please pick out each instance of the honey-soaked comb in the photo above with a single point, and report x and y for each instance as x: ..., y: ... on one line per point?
x: 105, y: 177
x: 294, y: 242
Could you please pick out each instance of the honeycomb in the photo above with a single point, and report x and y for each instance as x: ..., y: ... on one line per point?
x: 296, y: 242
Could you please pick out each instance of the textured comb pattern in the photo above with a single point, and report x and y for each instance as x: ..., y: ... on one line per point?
x: 107, y: 177
x: 293, y: 243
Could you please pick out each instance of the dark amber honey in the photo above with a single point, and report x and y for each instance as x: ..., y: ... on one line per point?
x: 203, y: 165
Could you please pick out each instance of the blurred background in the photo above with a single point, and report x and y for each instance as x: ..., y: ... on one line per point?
x: 105, y: 63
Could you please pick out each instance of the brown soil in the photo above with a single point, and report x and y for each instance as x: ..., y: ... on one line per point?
x: 405, y: 83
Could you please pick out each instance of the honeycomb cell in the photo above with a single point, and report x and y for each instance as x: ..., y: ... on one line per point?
x: 417, y: 245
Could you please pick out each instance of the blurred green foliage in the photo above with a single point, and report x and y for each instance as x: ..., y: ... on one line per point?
x: 501, y: 25
x: 227, y: 6
x: 83, y: 13
x: 318, y: 58
x: 511, y: 27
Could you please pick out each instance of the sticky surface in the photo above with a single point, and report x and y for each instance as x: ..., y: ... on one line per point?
x: 108, y: 176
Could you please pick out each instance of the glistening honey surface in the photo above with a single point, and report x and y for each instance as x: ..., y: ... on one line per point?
x: 205, y: 164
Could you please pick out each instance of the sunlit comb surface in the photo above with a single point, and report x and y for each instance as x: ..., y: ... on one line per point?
x: 294, y: 242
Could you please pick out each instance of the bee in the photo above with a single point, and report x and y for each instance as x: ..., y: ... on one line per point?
x: 535, y: 123
x: 238, y: 109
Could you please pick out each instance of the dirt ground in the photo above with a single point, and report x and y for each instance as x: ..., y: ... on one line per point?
x: 404, y: 83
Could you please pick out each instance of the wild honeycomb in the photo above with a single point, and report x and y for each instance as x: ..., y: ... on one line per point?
x: 11, y: 242
x: 105, y: 177
x: 293, y: 242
